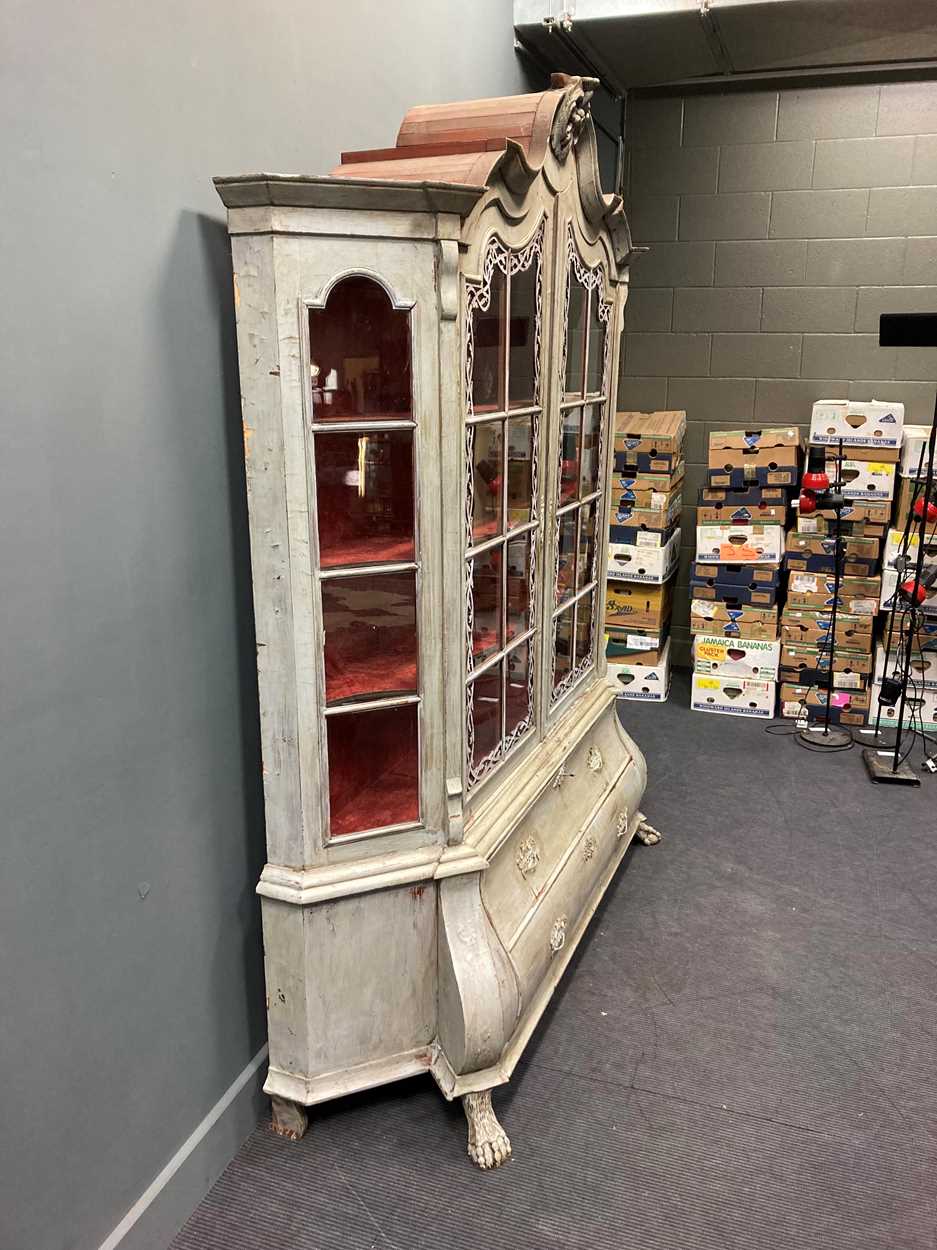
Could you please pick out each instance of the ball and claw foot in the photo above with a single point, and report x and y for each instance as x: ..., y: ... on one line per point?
x: 647, y: 834
x: 288, y: 1119
x: 488, y: 1144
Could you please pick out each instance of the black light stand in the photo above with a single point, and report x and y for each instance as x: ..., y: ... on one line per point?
x: 834, y: 737
x: 888, y: 766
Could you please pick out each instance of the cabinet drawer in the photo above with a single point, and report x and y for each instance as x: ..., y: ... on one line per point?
x: 543, y: 931
x: 528, y: 859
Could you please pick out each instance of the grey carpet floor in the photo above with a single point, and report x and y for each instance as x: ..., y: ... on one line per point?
x: 744, y: 1054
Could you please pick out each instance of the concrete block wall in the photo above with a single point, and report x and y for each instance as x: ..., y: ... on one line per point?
x: 781, y: 224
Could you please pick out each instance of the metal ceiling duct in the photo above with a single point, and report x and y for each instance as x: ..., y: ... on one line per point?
x: 645, y: 43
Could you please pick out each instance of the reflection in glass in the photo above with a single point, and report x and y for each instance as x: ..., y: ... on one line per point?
x: 370, y: 635
x: 520, y: 454
x: 566, y: 571
x: 575, y: 335
x: 517, y: 693
x: 583, y: 627
x: 373, y: 769
x: 486, y: 712
x: 589, y: 458
x: 488, y: 360
x: 518, y: 613
x: 563, y: 631
x: 359, y: 355
x: 569, y: 464
x: 523, y: 336
x: 586, y: 558
x: 488, y: 480
x: 486, y: 598
x: 594, y: 366
x: 364, y: 497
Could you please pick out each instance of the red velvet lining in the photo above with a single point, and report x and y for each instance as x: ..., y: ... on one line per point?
x: 369, y: 549
x: 373, y: 769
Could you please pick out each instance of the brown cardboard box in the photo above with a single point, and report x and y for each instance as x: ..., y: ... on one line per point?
x: 853, y: 633
x: 813, y: 553
x: 623, y: 646
x: 808, y: 665
x: 716, y: 618
x: 637, y: 605
x: 733, y: 448
x: 905, y: 492
x: 648, y: 490
x: 858, y: 596
x: 884, y: 455
x: 850, y: 707
x: 650, y: 441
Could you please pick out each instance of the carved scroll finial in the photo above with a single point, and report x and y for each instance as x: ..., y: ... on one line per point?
x: 572, y: 113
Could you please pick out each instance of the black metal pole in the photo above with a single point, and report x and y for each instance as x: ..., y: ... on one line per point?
x: 922, y: 535
x: 902, y: 550
x: 837, y: 581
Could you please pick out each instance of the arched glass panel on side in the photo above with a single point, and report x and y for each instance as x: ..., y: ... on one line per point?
x: 364, y: 452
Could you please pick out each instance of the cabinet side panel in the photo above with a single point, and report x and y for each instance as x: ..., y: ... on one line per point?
x: 370, y: 977
x: 259, y: 364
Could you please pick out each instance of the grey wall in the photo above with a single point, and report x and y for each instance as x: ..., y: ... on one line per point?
x: 131, y: 820
x: 781, y: 224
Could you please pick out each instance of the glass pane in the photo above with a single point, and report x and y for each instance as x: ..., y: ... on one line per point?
x: 518, y: 694
x: 359, y: 355
x: 364, y: 497
x: 486, y: 598
x: 370, y: 636
x: 518, y: 615
x: 520, y: 458
x: 563, y: 626
x: 523, y: 337
x: 373, y: 769
x: 569, y: 466
x: 596, y: 360
x: 583, y: 627
x: 575, y: 336
x: 488, y: 460
x: 486, y: 712
x: 589, y: 457
x: 584, y: 570
x: 488, y: 343
x: 566, y: 569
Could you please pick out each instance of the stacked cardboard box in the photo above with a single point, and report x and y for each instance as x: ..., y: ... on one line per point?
x: 735, y: 579
x: 911, y: 468
x: 921, y: 699
x: 644, y: 545
x: 870, y: 434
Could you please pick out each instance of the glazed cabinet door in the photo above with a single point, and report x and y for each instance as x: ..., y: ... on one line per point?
x: 368, y: 392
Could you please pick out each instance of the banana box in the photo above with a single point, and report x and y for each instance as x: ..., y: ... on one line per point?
x: 814, y: 553
x: 803, y: 664
x: 894, y: 546
x: 649, y: 442
x: 908, y: 490
x: 860, y: 476
x: 712, y: 617
x: 853, y: 633
x: 647, y: 490
x: 645, y: 527
x: 739, y: 544
x: 847, y: 707
x: 649, y: 683
x: 736, y: 584
x: 857, y: 424
x: 733, y: 696
x: 923, y: 674
x: 890, y: 585
x: 775, y: 448
x: 631, y: 563
x: 920, y: 711
x: 913, y: 462
x: 751, y: 658
x: 729, y: 512
x: 634, y: 646
x: 635, y: 605
x: 858, y: 596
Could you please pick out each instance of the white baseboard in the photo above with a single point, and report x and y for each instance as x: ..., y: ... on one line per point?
x: 165, y: 1205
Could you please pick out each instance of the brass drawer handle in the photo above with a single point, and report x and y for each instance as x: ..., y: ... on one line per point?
x: 528, y: 857
x: 558, y: 934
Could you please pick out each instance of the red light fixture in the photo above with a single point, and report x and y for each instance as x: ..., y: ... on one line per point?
x: 925, y: 508
x: 815, y: 481
x: 807, y: 503
x: 909, y: 592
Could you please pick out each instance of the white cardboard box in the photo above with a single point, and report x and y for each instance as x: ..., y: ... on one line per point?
x: 733, y: 696
x: 920, y: 711
x: 889, y: 585
x: 648, y: 682
x: 739, y: 544
x: 856, y: 424
x: 736, y: 657
x: 630, y: 563
x: 893, y: 541
x: 915, y: 437
x: 923, y: 667
x: 865, y: 479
